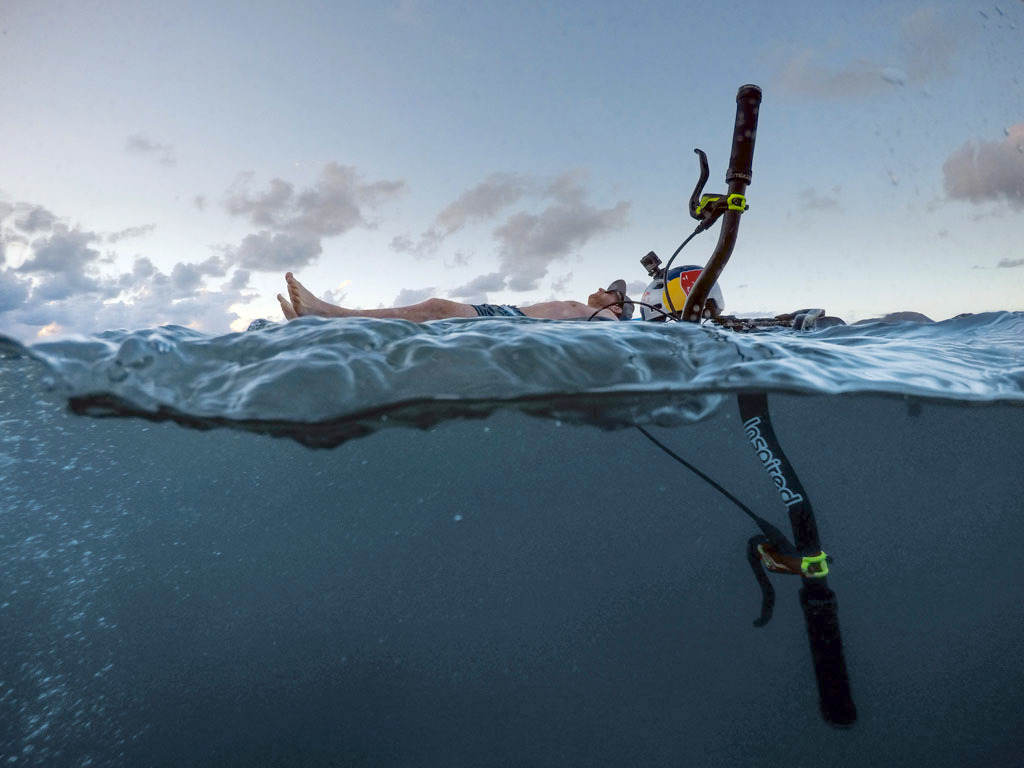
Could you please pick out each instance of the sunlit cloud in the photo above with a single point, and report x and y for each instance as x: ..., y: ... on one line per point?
x: 62, y: 284
x: 988, y: 171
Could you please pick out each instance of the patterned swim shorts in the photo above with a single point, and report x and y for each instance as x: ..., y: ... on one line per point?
x: 497, y: 310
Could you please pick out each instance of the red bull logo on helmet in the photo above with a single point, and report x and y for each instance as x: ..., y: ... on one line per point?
x: 679, y: 285
x: 669, y: 295
x: 687, y: 279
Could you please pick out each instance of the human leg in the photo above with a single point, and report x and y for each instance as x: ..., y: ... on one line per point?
x: 303, y: 302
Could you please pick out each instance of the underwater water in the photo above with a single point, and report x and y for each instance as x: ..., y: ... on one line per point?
x: 371, y: 542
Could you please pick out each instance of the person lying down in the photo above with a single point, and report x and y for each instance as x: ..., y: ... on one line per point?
x: 609, y: 303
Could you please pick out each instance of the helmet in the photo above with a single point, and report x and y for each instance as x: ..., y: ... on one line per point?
x: 680, y: 281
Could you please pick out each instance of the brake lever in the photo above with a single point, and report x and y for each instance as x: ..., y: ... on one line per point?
x: 695, y: 198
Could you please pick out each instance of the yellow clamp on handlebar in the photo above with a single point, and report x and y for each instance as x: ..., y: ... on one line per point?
x: 820, y: 560
x: 737, y: 203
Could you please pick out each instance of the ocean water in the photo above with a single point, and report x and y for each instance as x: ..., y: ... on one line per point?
x: 370, y: 542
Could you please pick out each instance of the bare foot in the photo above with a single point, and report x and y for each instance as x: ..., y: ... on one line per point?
x: 286, y: 308
x: 305, y: 303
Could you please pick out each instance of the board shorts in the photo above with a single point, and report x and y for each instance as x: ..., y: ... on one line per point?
x: 497, y: 310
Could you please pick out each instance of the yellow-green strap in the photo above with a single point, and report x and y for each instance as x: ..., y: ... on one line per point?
x: 820, y: 560
x: 737, y: 203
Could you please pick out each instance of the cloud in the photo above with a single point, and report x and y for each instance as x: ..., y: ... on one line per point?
x: 295, y: 222
x: 426, y: 246
x: 925, y: 48
x: 7, y: 238
x: 403, y: 244
x: 186, y: 279
x: 929, y: 43
x: 806, y: 74
x: 38, y: 219
x: 408, y: 296
x: 528, y: 243
x: 262, y: 209
x: 335, y: 296
x: 238, y: 281
x: 812, y: 199
x: 986, y: 171
x: 143, y: 297
x: 139, y: 144
x: 1010, y: 263
x: 484, y: 201
x: 143, y: 268
x: 636, y: 288
x: 63, y: 264
x: 528, y: 240
x: 61, y: 284
x: 157, y: 302
x: 561, y: 285
x: 476, y: 290
x: 59, y: 287
x: 269, y: 252
x: 13, y: 291
x: 568, y: 187
x: 335, y: 204
x: 63, y: 250
x: 458, y: 259
x: 130, y: 232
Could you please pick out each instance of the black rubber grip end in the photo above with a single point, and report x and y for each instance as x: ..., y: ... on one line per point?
x: 748, y: 103
x: 819, y: 604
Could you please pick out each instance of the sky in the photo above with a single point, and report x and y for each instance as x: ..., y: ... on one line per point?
x: 167, y: 163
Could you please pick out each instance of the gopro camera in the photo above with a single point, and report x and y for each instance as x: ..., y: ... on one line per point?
x: 652, y: 264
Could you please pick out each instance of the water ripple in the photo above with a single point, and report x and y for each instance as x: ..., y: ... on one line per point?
x: 324, y: 381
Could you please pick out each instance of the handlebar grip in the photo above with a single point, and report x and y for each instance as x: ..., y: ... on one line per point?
x: 748, y: 101
x: 819, y: 604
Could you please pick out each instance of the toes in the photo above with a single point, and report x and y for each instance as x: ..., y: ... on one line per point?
x: 286, y: 307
